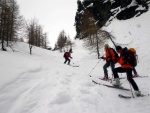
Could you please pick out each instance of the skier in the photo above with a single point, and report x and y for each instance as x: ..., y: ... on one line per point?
x: 67, y: 56
x: 126, y: 67
x: 110, y: 60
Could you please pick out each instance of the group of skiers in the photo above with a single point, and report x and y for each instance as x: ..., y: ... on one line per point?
x: 125, y: 61
x: 111, y: 58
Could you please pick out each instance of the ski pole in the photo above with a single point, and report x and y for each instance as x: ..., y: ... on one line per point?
x: 93, y: 68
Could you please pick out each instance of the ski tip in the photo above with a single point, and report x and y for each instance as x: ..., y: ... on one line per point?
x: 142, y: 95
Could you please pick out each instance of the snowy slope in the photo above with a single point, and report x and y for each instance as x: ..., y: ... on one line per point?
x: 41, y: 83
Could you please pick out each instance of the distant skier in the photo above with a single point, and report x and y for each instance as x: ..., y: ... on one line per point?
x: 126, y: 61
x: 67, y: 56
x: 110, y: 57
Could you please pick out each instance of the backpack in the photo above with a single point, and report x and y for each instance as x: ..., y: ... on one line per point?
x: 130, y: 55
x: 116, y: 55
x: 65, y: 54
x: 133, y: 52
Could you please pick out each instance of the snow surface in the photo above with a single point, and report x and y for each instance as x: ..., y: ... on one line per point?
x: 41, y: 83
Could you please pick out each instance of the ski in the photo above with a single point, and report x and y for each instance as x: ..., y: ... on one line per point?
x: 116, y: 87
x: 122, y: 96
x: 128, y: 97
x: 109, y: 79
x: 140, y: 76
x: 110, y: 86
x: 134, y: 77
x: 74, y: 65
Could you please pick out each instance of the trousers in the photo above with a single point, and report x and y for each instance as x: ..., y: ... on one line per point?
x: 128, y: 71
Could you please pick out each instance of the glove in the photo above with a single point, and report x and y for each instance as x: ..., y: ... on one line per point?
x: 102, y: 57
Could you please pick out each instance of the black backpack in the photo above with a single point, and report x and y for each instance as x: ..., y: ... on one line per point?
x: 130, y: 57
x: 65, y: 54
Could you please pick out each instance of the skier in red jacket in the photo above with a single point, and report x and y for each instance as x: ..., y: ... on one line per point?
x: 67, y: 56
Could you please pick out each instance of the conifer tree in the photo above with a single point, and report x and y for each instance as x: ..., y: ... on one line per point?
x: 78, y: 18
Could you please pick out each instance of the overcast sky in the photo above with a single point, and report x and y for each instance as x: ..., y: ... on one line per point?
x: 54, y: 15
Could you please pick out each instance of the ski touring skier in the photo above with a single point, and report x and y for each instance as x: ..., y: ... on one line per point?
x: 67, y: 56
x: 126, y: 67
x: 110, y: 57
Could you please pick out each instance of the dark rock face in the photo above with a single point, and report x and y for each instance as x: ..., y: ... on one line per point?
x: 130, y: 10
